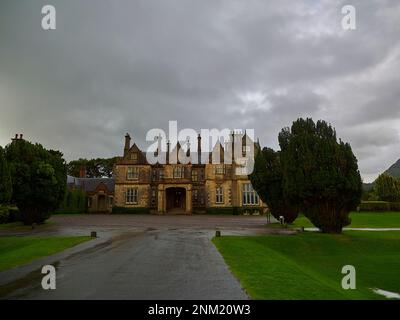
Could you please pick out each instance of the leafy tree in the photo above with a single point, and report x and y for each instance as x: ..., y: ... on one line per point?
x: 387, y: 188
x: 38, y: 178
x: 95, y: 168
x: 5, y: 180
x: 267, y: 180
x: 320, y: 174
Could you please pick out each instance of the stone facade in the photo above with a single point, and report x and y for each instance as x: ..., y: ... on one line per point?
x: 183, y: 188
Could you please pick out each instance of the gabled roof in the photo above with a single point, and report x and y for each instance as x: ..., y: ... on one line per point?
x: 91, y: 184
x: 217, y: 149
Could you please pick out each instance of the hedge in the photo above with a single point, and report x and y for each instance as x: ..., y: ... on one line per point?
x: 4, y: 216
x: 75, y: 201
x: 136, y: 210
x: 234, y: 210
x: 9, y: 214
x: 379, y: 206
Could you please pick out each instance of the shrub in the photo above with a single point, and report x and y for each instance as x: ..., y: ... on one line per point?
x: 136, y: 210
x: 75, y: 201
x: 234, y: 210
x: 4, y: 214
x: 222, y: 210
x: 375, y: 206
x: 395, y: 206
x: 14, y: 214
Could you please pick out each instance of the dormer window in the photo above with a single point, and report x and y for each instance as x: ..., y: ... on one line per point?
x: 134, y: 156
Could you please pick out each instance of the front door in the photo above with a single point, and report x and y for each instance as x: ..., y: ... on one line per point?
x: 176, y: 199
x: 101, y: 205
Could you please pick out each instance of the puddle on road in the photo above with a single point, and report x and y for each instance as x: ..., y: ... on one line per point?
x: 17, y: 288
x: 387, y: 294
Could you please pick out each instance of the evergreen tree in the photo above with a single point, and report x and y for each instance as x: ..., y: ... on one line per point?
x: 320, y: 174
x: 39, y: 179
x: 387, y: 188
x: 5, y: 180
x: 267, y: 180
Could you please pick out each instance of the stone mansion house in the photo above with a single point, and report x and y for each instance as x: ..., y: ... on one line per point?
x: 173, y: 187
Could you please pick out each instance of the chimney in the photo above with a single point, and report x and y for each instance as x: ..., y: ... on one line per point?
x: 127, y: 144
x: 82, y: 172
x: 244, y: 144
x: 188, y: 147
x: 17, y: 137
x: 199, y: 149
x: 168, y: 143
x: 233, y: 146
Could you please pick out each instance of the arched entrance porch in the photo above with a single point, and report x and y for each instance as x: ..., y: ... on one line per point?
x: 174, y: 198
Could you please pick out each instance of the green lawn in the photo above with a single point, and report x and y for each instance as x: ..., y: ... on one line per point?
x: 360, y: 220
x: 308, y: 265
x: 19, y: 226
x: 15, y: 251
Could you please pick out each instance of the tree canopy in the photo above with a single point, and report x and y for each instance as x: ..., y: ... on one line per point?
x: 38, y: 179
x: 387, y: 188
x: 95, y: 168
x: 5, y: 179
x: 320, y: 173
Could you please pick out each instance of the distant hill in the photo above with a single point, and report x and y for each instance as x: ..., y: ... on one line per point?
x: 368, y: 186
x: 394, y: 170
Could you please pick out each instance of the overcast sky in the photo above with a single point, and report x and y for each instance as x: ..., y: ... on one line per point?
x: 113, y: 67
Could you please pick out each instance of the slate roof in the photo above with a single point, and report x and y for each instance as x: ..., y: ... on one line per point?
x: 90, y: 184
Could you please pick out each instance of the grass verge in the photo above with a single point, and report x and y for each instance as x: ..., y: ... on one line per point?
x: 308, y: 265
x: 16, y: 251
x: 358, y: 220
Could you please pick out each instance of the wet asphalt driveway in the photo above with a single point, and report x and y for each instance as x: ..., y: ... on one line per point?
x: 146, y: 258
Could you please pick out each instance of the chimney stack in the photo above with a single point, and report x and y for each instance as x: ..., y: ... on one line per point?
x: 17, y: 137
x: 199, y: 149
x: 233, y: 146
x: 82, y: 172
x: 168, y: 143
x: 127, y: 144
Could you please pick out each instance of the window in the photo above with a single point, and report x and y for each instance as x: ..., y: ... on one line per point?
x: 153, y: 197
x: 132, y: 196
x: 195, y: 195
x: 133, y: 173
x: 161, y: 174
x: 178, y: 172
x: 134, y: 156
x: 219, y: 195
x: 195, y: 175
x: 250, y: 197
x: 219, y: 169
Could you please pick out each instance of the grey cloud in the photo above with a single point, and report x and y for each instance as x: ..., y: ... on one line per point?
x: 113, y: 67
